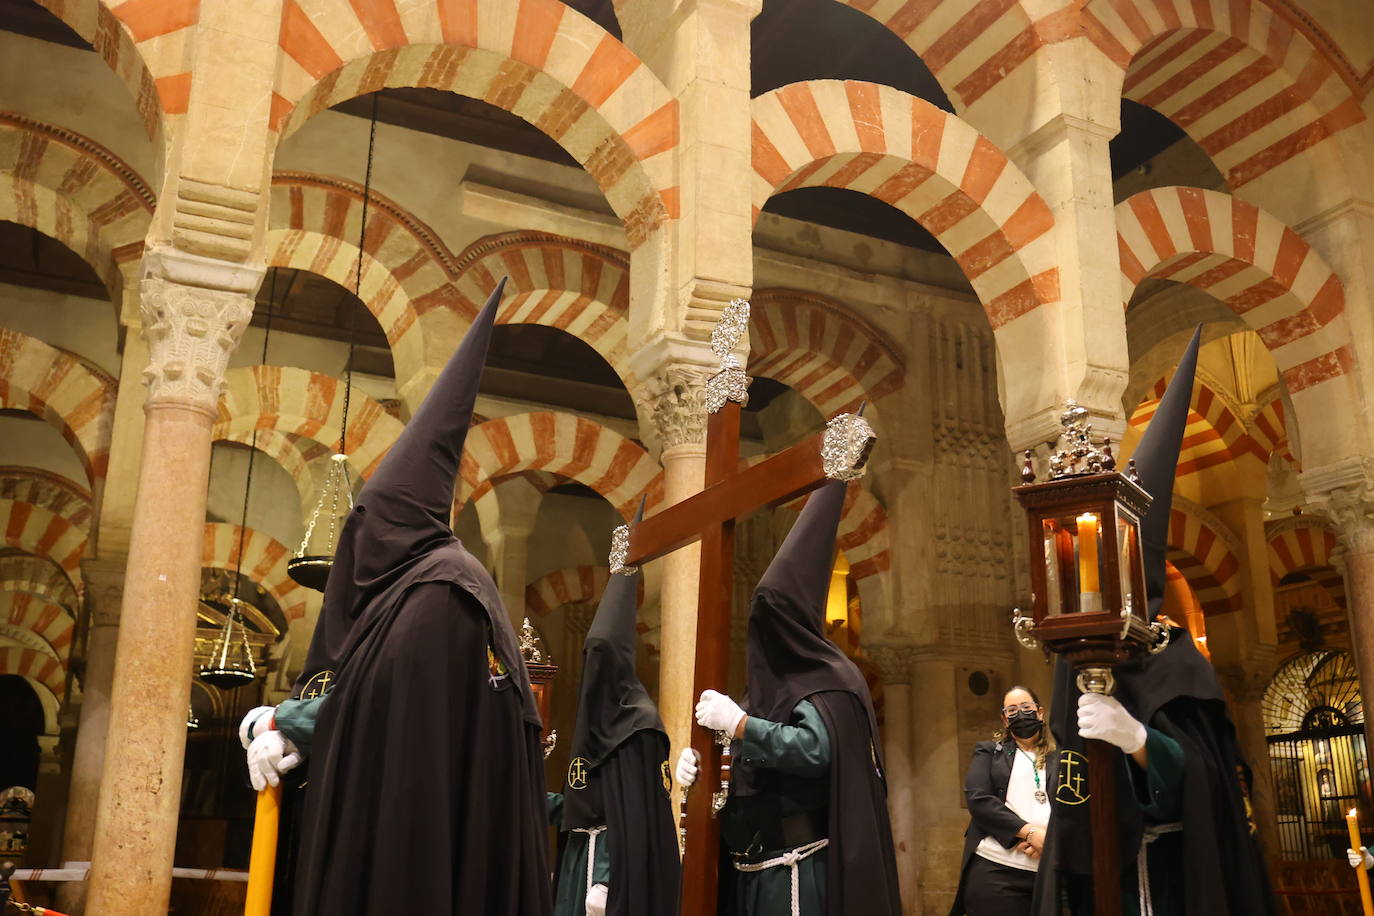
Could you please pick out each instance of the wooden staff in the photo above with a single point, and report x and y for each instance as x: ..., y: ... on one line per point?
x: 262, y: 863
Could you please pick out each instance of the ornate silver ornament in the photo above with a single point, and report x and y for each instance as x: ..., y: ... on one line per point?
x: 620, y: 549
x: 846, y: 446
x: 731, y: 382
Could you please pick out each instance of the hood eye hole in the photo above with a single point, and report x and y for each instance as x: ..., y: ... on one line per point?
x: 360, y: 509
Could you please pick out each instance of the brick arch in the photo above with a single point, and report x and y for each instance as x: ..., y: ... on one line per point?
x: 1203, y: 551
x: 1270, y: 430
x: 575, y: 286
x: 1309, y: 546
x: 72, y: 396
x: 814, y: 345
x: 264, y: 561
x: 925, y: 162
x: 1215, y: 433
x: 40, y: 670
x: 943, y: 33
x: 47, y: 490
x: 1268, y: 275
x: 570, y: 585
x: 408, y: 271
x: 72, y: 189
x: 542, y: 61
x: 44, y: 534
x: 308, y: 405
x: 48, y: 623
x: 134, y: 40
x: 1275, y: 88
x: 563, y: 444
x: 38, y: 577
x: 296, y: 454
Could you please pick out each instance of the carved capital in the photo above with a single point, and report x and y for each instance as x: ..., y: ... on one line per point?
x: 676, y: 399
x: 190, y: 334
x: 1345, y: 493
x: 104, y: 580
x: 893, y: 661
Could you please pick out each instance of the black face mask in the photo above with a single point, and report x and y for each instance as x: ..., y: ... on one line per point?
x: 1025, y: 724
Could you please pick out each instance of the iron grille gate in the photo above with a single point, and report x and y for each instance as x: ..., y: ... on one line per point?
x: 1320, y: 773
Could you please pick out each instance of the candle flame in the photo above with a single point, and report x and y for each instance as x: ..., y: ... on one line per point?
x: 1087, y: 517
x: 1351, y: 813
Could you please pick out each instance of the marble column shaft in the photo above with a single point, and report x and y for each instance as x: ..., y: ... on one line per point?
x: 191, y: 332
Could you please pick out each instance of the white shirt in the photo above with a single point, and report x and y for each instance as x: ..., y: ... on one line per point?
x: 1020, y: 799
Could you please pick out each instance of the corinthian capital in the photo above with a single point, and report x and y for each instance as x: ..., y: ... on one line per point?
x: 190, y: 333
x: 1345, y: 492
x: 676, y: 399
x: 894, y: 661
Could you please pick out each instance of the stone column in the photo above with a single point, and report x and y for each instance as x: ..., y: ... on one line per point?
x: 104, y: 591
x: 49, y: 800
x: 506, y: 529
x: 1063, y: 150
x: 194, y: 312
x: 678, y: 410
x: 894, y: 662
x: 1345, y: 492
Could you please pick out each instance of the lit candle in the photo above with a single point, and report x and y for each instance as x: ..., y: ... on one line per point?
x: 1087, y: 563
x: 1361, y: 875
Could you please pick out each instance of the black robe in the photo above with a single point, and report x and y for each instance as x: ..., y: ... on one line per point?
x: 790, y: 659
x: 630, y: 792
x: 1175, y: 693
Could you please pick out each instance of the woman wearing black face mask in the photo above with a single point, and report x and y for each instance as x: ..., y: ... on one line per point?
x: 1006, y: 788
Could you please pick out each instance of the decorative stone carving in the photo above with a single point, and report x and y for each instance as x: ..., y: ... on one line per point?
x: 893, y: 661
x: 213, y: 220
x: 676, y: 400
x: 190, y: 334
x: 1345, y: 494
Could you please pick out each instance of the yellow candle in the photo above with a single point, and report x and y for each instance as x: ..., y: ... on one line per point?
x: 1361, y: 875
x: 262, y: 862
x: 1087, y: 553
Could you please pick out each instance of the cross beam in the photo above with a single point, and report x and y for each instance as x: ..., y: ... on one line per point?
x: 709, y: 516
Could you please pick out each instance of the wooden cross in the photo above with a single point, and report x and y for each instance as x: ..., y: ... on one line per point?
x: 709, y: 516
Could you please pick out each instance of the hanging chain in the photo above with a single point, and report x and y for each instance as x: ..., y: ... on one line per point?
x: 358, y: 275
x: 234, y: 616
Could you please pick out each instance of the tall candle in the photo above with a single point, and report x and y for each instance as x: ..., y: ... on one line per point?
x: 1087, y: 554
x: 1361, y: 875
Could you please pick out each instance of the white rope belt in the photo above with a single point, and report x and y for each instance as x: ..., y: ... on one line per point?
x: 1142, y: 863
x: 81, y: 871
x: 592, y: 833
x: 790, y: 859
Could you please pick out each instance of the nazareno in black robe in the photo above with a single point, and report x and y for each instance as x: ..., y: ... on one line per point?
x: 425, y: 789
x: 1177, y: 694
x: 790, y: 659
x: 620, y: 740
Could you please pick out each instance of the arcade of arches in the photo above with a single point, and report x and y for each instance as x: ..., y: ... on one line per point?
x: 964, y: 213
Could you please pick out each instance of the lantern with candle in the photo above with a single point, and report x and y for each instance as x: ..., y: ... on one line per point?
x: 1086, y: 565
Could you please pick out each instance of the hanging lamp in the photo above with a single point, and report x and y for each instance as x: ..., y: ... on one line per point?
x: 311, y: 564
x: 192, y: 722
x: 231, y: 663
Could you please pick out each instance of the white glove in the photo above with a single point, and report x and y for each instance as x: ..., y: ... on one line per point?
x: 1105, y: 719
x: 270, y: 755
x: 254, y: 724
x: 719, y: 712
x: 1360, y: 858
x: 687, y: 767
x: 596, y: 900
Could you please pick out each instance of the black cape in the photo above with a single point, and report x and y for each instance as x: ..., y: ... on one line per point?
x: 1176, y: 693
x: 618, y: 772
x: 790, y: 659
x: 426, y: 784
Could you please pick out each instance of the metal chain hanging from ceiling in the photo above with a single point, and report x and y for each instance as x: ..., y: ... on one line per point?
x: 308, y: 568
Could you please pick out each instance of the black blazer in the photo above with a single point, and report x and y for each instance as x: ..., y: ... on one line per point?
x: 985, y: 788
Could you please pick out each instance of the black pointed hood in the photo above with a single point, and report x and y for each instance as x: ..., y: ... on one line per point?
x: 399, y: 533
x: 1156, y: 461
x: 612, y: 703
x: 789, y: 655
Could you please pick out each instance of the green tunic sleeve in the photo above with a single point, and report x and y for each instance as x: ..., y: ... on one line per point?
x: 296, y: 720
x: 1159, y: 787
x: 800, y: 748
x: 601, y: 868
x: 554, y: 802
